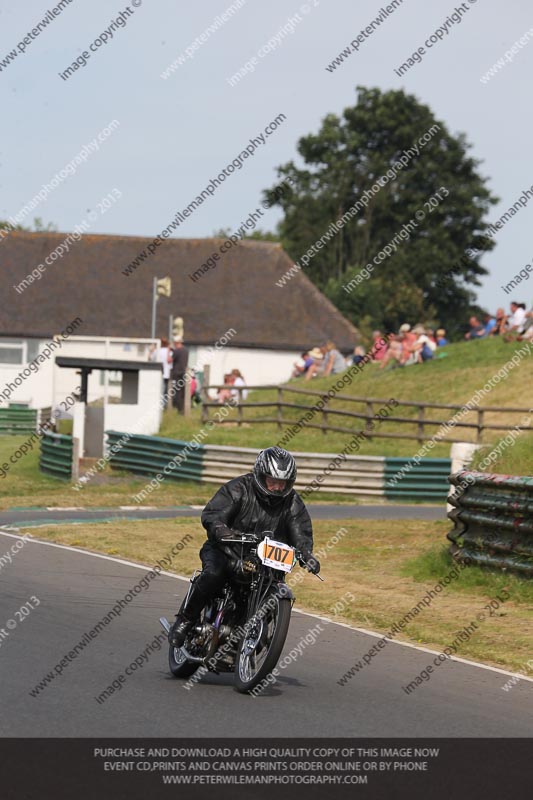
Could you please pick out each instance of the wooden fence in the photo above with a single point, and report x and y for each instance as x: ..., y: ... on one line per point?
x: 424, y: 427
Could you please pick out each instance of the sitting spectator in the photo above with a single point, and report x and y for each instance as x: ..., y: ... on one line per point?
x: 223, y: 395
x: 518, y: 317
x: 442, y: 341
x: 317, y: 367
x: 501, y: 323
x: 394, y: 352
x: 424, y: 346
x: 335, y: 362
x: 239, y: 381
x: 302, y: 365
x: 490, y: 324
x: 379, y: 346
x: 358, y: 355
x: 408, y: 340
x: 477, y: 330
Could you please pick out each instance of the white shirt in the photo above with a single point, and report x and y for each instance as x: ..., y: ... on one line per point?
x: 238, y: 395
x: 162, y: 357
x: 517, y: 319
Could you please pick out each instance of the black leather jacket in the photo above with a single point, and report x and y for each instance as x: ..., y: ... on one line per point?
x: 237, y: 505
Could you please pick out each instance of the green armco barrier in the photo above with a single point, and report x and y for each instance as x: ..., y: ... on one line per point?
x: 493, y: 520
x: 18, y: 420
x: 151, y: 455
x: 427, y: 480
x: 56, y: 455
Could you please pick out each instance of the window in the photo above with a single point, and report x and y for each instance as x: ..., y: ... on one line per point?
x: 11, y: 351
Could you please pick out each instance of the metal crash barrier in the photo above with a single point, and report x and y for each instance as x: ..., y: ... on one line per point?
x: 493, y: 520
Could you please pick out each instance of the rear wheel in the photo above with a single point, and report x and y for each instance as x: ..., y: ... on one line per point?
x: 260, y: 649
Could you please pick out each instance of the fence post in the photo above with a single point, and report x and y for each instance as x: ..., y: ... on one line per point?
x: 280, y: 408
x: 75, y: 473
x: 480, y: 413
x: 187, y: 394
x: 239, y: 407
x: 325, y: 417
x: 420, y: 426
x: 370, y: 414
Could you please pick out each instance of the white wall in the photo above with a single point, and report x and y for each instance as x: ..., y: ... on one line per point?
x: 51, y: 384
x: 143, y: 417
x: 258, y: 367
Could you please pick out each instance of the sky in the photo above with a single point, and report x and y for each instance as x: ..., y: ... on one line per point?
x: 174, y: 135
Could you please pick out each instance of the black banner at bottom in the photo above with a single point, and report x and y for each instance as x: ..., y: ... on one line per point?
x: 259, y: 768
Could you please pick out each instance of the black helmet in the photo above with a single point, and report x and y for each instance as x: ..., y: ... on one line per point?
x: 274, y: 462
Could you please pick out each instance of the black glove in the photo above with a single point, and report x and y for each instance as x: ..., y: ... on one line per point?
x: 310, y: 562
x: 221, y: 532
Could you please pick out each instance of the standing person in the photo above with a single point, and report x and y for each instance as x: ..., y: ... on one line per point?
x: 180, y: 359
x: 164, y: 356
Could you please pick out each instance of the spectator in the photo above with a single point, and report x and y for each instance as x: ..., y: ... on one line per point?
x: 518, y: 317
x: 501, y: 323
x: 302, y: 365
x: 334, y: 361
x: 239, y: 381
x: 223, y: 395
x: 379, y: 346
x: 408, y: 340
x: 477, y: 331
x: 424, y: 346
x: 358, y: 355
x: 317, y: 367
x: 163, y: 355
x: 442, y: 341
x: 394, y: 352
x: 195, y: 393
x: 180, y: 360
x: 490, y: 324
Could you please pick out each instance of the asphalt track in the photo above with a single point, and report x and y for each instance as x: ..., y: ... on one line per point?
x: 36, y: 516
x: 77, y: 589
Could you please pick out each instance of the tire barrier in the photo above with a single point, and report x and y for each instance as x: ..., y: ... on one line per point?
x: 363, y: 476
x: 493, y: 520
x: 56, y: 455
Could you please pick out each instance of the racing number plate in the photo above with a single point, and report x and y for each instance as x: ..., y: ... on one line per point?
x: 276, y: 554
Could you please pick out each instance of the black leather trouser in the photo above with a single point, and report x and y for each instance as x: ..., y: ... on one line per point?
x: 215, y: 571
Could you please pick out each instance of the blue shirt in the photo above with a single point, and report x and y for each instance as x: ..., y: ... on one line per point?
x: 491, y: 324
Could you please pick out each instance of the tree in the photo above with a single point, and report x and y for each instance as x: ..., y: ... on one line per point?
x: 354, y: 161
x: 38, y: 226
x: 260, y: 235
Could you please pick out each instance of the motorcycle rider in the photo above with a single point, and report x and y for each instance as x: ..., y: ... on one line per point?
x: 261, y: 500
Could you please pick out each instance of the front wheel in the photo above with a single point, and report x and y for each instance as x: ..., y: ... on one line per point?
x: 260, y: 649
x: 178, y: 664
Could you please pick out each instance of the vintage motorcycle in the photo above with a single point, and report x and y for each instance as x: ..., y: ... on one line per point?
x: 244, y: 629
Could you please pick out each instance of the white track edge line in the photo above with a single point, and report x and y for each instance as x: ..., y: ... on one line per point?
x: 297, y: 610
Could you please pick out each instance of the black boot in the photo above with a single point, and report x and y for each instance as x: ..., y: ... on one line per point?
x: 178, y: 632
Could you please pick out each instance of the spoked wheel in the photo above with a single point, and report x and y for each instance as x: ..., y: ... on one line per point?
x: 260, y: 649
x: 178, y: 664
